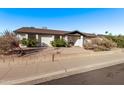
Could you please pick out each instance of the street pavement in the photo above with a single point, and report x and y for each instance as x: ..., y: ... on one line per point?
x: 38, y: 72
x: 113, y: 75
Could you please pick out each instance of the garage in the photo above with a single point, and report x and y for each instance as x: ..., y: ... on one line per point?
x: 45, y: 41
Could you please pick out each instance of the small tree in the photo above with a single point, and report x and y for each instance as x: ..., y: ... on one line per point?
x: 7, y: 39
x: 106, y: 32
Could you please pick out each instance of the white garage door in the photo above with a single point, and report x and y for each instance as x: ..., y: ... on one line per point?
x: 45, y: 40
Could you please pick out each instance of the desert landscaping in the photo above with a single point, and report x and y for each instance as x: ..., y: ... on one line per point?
x: 11, y: 51
x: 21, y: 61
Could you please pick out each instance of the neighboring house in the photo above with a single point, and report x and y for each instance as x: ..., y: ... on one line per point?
x: 45, y: 36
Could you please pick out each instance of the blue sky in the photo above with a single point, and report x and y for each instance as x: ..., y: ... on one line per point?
x: 91, y: 20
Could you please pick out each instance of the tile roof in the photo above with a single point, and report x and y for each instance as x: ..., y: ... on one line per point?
x: 40, y: 31
x: 82, y: 33
x: 51, y: 32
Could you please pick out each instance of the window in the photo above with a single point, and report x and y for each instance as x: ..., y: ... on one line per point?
x: 32, y: 36
x: 57, y: 37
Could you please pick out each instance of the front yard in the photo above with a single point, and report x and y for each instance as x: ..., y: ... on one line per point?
x: 52, y: 54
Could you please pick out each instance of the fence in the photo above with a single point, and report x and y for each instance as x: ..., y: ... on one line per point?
x: 45, y: 57
x: 33, y: 58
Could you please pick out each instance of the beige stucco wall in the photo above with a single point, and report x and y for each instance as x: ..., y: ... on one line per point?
x: 22, y: 35
x: 78, y: 40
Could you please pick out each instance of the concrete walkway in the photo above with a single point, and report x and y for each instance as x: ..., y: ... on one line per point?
x: 37, y: 72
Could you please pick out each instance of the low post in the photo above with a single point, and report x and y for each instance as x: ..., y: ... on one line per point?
x: 53, y: 57
x: 3, y: 58
x: 12, y: 58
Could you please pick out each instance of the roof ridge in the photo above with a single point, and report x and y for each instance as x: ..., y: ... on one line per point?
x: 41, y: 29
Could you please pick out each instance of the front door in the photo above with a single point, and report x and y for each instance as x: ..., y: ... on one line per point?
x: 79, y: 42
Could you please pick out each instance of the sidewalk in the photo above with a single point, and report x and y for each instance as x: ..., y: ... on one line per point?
x: 37, y: 72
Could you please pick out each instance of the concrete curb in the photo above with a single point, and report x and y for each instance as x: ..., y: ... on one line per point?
x: 62, y: 73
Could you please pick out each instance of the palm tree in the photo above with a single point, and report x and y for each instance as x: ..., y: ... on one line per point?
x: 106, y: 32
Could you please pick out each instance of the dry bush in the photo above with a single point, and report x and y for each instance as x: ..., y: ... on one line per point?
x: 6, y: 42
x: 101, y: 48
x: 100, y: 44
x: 108, y: 43
x: 96, y: 41
x: 88, y: 46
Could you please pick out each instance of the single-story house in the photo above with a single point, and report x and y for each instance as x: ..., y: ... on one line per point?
x: 45, y: 36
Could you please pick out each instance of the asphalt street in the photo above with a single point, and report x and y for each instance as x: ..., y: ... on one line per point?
x: 113, y: 75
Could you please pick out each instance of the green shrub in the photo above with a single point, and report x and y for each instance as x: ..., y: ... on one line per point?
x: 117, y: 39
x: 59, y: 43
x: 24, y: 41
x: 29, y: 42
